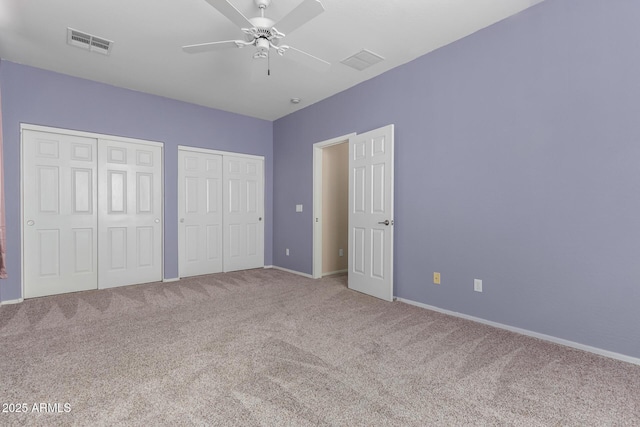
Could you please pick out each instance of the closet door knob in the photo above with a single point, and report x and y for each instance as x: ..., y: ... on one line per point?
x: 30, y: 222
x: 157, y: 220
x: 181, y: 219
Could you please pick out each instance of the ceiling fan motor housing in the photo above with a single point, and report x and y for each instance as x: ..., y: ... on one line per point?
x: 263, y: 26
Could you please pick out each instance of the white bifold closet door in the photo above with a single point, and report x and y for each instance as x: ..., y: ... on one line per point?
x: 92, y: 212
x: 60, y: 215
x: 199, y: 213
x: 130, y: 213
x: 220, y: 212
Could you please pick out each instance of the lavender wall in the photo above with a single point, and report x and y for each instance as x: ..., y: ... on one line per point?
x: 35, y: 96
x: 517, y: 162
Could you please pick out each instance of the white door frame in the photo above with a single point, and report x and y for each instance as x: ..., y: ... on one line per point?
x: 218, y: 152
x: 97, y: 136
x: 317, y: 199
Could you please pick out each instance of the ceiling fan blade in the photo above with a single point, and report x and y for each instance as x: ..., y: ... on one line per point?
x: 307, y: 59
x: 230, y: 11
x: 210, y: 47
x: 306, y: 11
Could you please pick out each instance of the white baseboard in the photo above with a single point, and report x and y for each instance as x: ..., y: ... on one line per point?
x: 555, y: 340
x: 12, y: 301
x: 331, y: 273
x: 275, y: 267
x: 173, y: 279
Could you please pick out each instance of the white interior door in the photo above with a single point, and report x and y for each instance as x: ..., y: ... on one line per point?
x: 199, y: 213
x: 130, y: 213
x: 371, y: 213
x: 243, y: 213
x: 60, y: 215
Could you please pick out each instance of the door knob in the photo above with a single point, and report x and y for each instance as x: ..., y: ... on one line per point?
x: 157, y: 220
x: 30, y: 222
x: 385, y: 222
x: 260, y: 219
x: 181, y: 219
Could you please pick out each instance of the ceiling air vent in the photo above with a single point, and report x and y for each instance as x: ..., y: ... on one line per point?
x: 88, y: 41
x: 362, y: 60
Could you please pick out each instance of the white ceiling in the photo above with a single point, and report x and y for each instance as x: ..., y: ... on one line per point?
x: 148, y: 36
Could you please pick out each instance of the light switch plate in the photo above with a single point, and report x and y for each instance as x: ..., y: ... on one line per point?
x: 477, y: 285
x: 298, y: 208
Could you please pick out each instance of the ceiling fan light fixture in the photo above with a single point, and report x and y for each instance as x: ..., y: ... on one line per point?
x: 262, y: 48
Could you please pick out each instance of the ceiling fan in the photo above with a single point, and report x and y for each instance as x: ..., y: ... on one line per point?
x: 261, y: 32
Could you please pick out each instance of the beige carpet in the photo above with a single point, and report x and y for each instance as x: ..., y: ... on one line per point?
x: 265, y: 347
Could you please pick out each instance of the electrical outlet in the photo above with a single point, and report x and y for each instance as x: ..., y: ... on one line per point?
x: 340, y: 252
x: 436, y: 278
x: 286, y: 251
x: 477, y: 285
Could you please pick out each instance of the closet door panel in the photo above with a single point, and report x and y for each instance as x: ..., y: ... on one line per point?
x: 60, y: 216
x: 130, y: 213
x: 244, y: 213
x: 199, y: 213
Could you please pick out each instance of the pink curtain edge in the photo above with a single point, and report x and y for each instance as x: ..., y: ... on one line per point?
x: 3, y: 264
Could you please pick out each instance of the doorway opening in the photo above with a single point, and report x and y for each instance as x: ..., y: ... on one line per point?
x: 370, y: 210
x: 330, y: 206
